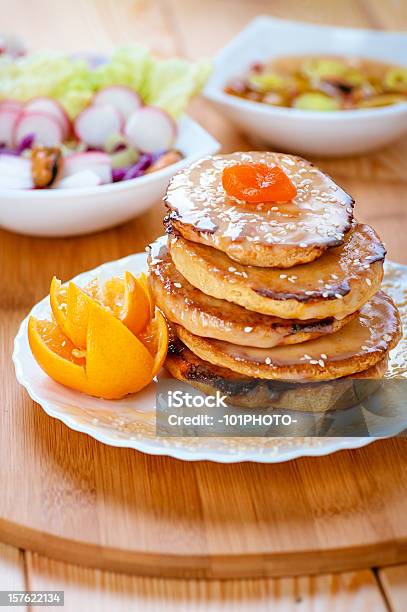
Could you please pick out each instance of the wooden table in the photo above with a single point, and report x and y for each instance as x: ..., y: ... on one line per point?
x: 74, y: 470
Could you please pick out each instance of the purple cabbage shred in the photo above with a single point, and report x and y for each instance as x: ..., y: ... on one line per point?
x: 26, y: 143
x: 118, y: 174
x: 138, y: 169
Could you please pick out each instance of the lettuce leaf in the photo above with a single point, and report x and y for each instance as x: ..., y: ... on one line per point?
x: 169, y: 84
x: 48, y: 74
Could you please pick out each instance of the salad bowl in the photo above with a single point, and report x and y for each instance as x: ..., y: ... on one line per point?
x: 312, y: 132
x: 75, y: 211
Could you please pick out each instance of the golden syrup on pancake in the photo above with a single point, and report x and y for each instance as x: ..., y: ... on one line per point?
x: 182, y: 303
x: 373, y: 330
x: 210, y: 317
x: 320, y: 214
x: 357, y: 261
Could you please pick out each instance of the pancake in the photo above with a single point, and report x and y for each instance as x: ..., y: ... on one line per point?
x: 354, y: 348
x: 277, y: 234
x: 245, y: 392
x: 335, y: 285
x: 210, y: 317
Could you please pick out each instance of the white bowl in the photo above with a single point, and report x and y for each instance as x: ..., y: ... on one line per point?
x: 70, y: 212
x: 299, y: 131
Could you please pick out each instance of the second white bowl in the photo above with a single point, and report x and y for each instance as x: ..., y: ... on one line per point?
x: 299, y: 131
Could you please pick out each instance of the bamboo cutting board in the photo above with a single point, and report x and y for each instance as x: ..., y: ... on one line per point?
x: 69, y: 497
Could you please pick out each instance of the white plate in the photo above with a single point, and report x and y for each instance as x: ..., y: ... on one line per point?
x: 130, y: 422
x: 299, y: 131
x: 70, y: 212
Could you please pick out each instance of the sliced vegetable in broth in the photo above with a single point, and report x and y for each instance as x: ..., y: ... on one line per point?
x: 322, y: 83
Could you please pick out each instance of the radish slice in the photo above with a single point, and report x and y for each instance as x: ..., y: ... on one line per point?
x: 99, y: 163
x: 15, y: 172
x: 47, y: 129
x: 123, y: 99
x: 11, y: 105
x: 95, y: 124
x: 52, y: 107
x: 8, y: 119
x: 151, y: 129
x: 85, y: 178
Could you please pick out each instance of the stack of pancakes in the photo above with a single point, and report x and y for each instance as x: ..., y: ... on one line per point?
x: 265, y: 300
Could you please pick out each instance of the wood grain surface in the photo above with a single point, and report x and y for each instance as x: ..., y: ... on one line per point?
x: 88, y: 590
x: 393, y: 581
x: 105, y: 591
x: 66, y: 496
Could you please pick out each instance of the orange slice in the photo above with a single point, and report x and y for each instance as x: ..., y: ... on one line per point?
x: 58, y: 298
x: 55, y: 354
x: 114, y: 364
x: 127, y: 299
x: 107, y: 341
x: 155, y: 339
x: 117, y: 363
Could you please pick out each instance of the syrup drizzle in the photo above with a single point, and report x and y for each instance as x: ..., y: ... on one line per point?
x: 319, y: 215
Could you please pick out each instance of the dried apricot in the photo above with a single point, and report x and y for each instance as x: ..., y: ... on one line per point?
x: 256, y: 183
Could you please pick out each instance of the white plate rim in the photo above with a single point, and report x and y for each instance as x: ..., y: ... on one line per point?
x: 333, y: 444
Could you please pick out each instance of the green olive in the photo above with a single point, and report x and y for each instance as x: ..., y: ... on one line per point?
x: 396, y: 80
x: 324, y: 68
x: 265, y: 82
x: 316, y: 101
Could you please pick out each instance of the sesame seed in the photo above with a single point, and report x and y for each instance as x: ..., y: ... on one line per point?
x: 283, y: 275
x: 268, y: 360
x: 368, y: 282
x: 321, y: 363
x: 314, y: 361
x: 177, y: 285
x: 232, y: 269
x: 324, y: 356
x: 338, y: 296
x: 248, y: 329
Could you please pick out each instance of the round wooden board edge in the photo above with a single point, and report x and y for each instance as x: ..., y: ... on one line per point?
x: 262, y: 565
